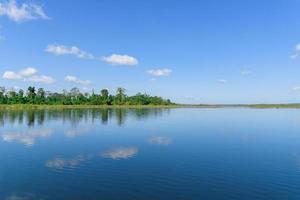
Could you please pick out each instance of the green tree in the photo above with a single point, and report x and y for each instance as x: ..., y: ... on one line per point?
x: 120, y: 96
x: 41, y: 94
x: 31, y: 94
x: 76, y: 97
x: 2, y: 95
x: 104, y: 96
x: 12, y: 97
x: 21, y: 96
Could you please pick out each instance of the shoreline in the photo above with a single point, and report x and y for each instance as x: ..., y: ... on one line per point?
x: 41, y: 106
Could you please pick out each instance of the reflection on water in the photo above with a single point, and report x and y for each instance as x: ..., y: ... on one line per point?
x: 37, y: 118
x: 160, y: 140
x: 120, y: 153
x: 76, y: 132
x: 61, y: 163
x: 27, y: 138
x: 24, y: 197
x: 130, y: 154
x: 75, y: 116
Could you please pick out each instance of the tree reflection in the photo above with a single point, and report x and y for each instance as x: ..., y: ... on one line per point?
x: 104, y: 116
x: 76, y: 116
x: 120, y: 115
x: 30, y: 116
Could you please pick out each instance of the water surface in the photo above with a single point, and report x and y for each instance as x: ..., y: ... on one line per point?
x: 127, y: 154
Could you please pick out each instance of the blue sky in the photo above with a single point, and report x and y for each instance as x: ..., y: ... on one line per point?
x: 189, y: 51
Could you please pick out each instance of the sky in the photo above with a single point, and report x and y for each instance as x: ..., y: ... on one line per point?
x: 192, y: 51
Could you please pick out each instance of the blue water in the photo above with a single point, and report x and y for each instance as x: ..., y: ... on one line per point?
x: 137, y: 154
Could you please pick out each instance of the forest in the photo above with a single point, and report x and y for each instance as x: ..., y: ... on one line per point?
x: 75, y: 97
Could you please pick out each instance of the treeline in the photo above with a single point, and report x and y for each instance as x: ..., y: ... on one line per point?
x: 75, y: 97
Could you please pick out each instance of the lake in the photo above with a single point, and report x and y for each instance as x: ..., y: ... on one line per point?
x: 161, y: 154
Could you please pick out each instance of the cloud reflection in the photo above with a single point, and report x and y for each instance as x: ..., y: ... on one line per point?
x: 62, y: 163
x: 160, y: 140
x: 75, y: 132
x: 23, y: 197
x: 27, y: 138
x: 120, y: 153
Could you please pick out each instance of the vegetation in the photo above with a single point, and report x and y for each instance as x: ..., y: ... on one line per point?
x: 39, y: 96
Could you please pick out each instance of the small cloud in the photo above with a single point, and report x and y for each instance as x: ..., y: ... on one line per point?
x: 296, y: 88
x: 116, y: 59
x: 66, y: 50
x: 294, y: 56
x: 16, y: 88
x: 160, y: 72
x: 87, y: 89
x: 120, y: 153
x: 120, y: 59
x: 23, y: 12
x: 28, y: 74
x: 159, y: 140
x: 10, y: 75
x: 246, y: 72
x: 296, y: 53
x: 74, y: 79
x: 41, y: 79
x: 223, y: 81
x: 190, y: 98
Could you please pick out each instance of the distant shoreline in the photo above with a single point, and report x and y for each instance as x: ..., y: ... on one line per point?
x: 37, y: 106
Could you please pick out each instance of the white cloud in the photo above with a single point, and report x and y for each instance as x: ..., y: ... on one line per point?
x: 190, y: 98
x: 41, y: 79
x: 74, y: 79
x: 160, y: 72
x: 294, y: 56
x: 28, y: 74
x: 120, y: 59
x: 66, y: 50
x: 60, y: 50
x: 296, y: 88
x: 246, y: 72
x: 121, y: 153
x: 223, y: 81
x: 23, y: 12
x: 297, y: 52
x: 87, y: 89
x: 11, y: 75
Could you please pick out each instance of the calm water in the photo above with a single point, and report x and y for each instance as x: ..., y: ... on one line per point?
x: 136, y: 154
